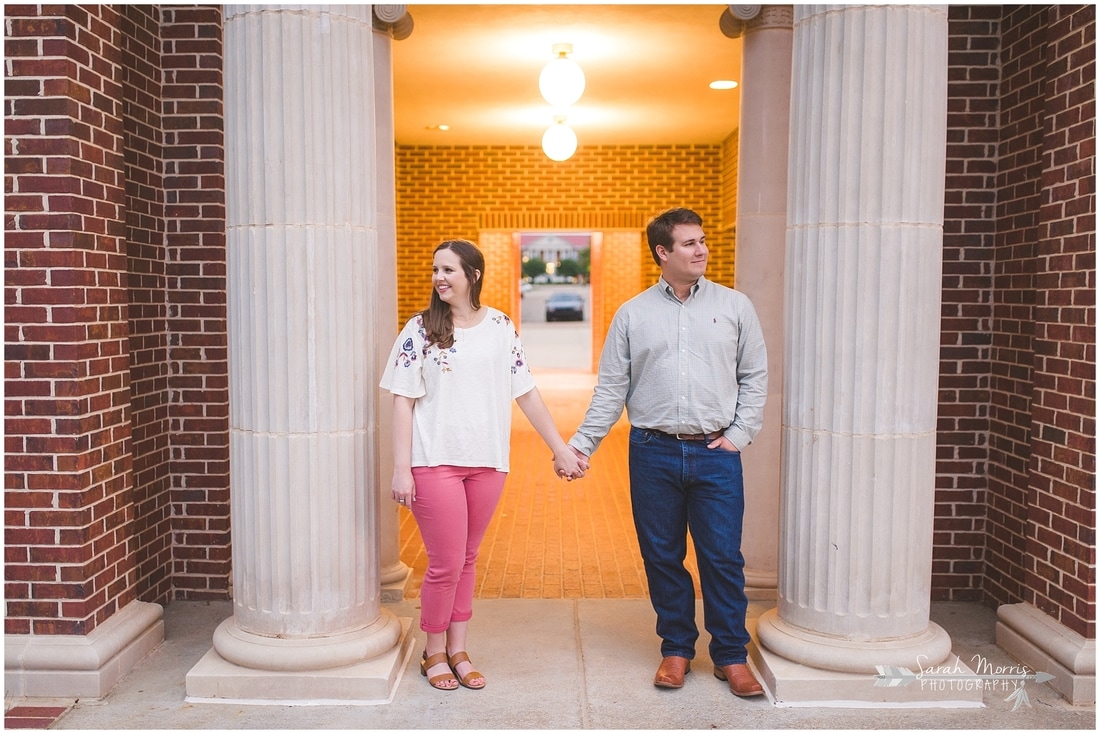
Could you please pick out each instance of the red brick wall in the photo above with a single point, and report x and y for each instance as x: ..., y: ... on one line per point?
x: 1060, y: 557
x: 146, y: 282
x: 1015, y: 513
x: 198, y: 384
x: 966, y: 308
x: 116, y: 453
x: 67, y: 404
x: 1018, y: 197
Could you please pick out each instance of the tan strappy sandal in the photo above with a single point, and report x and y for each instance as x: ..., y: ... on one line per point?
x: 462, y: 657
x: 435, y: 680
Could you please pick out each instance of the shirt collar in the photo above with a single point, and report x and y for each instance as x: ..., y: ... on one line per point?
x: 666, y: 288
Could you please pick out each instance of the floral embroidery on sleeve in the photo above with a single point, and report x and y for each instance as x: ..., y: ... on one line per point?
x: 407, y: 355
x: 519, y: 359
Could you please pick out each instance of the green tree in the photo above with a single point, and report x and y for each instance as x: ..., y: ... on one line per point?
x: 533, y: 266
x: 569, y: 268
x: 584, y: 262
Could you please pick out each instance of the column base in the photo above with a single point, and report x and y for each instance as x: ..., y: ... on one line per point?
x: 82, y: 666
x: 793, y: 685
x: 324, y: 652
x: 394, y: 582
x: 1046, y: 646
x: 805, y: 647
x: 373, y: 681
x: 761, y: 586
x: 762, y: 593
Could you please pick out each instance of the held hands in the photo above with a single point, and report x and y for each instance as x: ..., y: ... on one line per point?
x: 570, y: 464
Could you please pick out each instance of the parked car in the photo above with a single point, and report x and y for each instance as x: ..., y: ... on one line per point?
x: 565, y: 306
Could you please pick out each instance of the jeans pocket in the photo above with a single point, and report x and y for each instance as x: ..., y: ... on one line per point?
x: 642, y: 436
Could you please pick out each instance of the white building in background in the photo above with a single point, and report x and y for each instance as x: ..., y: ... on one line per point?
x: 552, y: 248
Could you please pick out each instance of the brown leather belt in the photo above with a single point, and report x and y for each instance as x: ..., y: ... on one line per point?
x: 690, y: 436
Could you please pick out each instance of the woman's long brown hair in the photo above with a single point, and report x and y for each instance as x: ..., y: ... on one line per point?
x: 438, y: 322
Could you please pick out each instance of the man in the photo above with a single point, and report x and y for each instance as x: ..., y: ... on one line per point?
x: 686, y: 358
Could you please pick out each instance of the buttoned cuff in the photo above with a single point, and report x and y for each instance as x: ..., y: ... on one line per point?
x: 583, y: 444
x: 738, y: 438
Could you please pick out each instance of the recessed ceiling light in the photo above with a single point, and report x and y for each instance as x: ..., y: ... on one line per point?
x: 723, y: 84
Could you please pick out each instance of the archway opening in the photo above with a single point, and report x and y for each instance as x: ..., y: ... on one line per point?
x: 556, y: 299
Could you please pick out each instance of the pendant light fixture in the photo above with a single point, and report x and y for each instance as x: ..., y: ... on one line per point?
x: 559, y: 142
x: 562, y: 84
x: 562, y: 80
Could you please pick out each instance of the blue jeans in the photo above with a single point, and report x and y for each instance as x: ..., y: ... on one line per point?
x: 676, y: 485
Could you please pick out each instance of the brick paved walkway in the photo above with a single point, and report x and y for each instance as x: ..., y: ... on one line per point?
x: 32, y: 717
x: 552, y: 539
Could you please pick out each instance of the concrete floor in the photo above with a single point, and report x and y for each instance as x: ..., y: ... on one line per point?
x: 550, y: 664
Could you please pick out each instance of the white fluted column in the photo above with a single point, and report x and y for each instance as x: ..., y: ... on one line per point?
x: 394, y: 573
x: 868, y: 138
x: 761, y: 232
x: 305, y: 252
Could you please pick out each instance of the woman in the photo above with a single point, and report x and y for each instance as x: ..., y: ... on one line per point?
x: 453, y: 372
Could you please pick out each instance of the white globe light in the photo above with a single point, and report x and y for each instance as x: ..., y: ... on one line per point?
x: 561, y: 82
x: 559, y: 142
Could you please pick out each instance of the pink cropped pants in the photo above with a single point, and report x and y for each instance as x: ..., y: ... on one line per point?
x: 453, y: 507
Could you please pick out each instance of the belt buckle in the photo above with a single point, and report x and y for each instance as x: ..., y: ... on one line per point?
x: 686, y: 436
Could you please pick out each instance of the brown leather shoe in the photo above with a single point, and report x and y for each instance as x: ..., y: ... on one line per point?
x: 742, y: 682
x: 671, y: 672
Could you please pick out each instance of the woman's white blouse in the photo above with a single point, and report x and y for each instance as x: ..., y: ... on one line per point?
x: 463, y: 410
